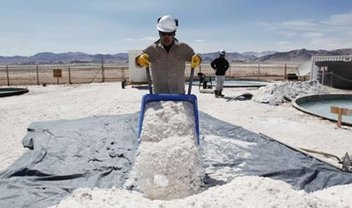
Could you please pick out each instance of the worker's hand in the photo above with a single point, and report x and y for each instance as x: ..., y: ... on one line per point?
x: 143, y: 60
x: 196, y: 60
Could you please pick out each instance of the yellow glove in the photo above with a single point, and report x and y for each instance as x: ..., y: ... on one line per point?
x: 196, y: 59
x: 143, y: 60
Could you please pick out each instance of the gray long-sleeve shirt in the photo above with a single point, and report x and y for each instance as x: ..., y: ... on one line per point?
x: 168, y: 68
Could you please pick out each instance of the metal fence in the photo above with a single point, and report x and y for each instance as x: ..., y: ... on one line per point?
x: 69, y: 74
x: 88, y: 73
x: 257, y: 71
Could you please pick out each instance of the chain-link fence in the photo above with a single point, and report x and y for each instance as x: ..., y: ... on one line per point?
x: 256, y: 71
x: 87, y: 73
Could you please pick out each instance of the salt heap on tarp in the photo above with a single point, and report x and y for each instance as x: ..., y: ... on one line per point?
x: 242, y: 192
x: 275, y: 94
x: 168, y: 165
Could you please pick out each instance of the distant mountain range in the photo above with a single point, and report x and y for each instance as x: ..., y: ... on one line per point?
x: 65, y: 58
x: 299, y: 55
x: 302, y: 55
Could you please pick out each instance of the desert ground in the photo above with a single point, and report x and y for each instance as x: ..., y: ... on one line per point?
x: 282, y: 122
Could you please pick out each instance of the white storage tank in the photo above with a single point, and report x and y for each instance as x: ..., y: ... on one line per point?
x: 136, y: 74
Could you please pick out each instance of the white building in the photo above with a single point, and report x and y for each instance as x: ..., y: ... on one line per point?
x: 334, y: 71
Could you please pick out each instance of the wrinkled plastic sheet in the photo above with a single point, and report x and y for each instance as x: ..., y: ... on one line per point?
x: 99, y: 152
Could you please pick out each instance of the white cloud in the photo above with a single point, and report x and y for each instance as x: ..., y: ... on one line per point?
x: 330, y: 33
x: 329, y: 43
x: 283, y: 43
x: 339, y: 20
x: 151, y: 38
x: 288, y: 33
x: 286, y: 45
x: 313, y: 35
x: 343, y: 21
x: 299, y: 25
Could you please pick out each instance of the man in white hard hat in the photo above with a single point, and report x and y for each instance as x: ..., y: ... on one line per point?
x: 220, y: 65
x: 167, y: 57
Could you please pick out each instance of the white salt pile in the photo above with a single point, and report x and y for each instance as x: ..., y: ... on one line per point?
x: 167, y: 118
x: 169, y: 169
x: 168, y: 165
x: 247, y: 191
x: 276, y: 93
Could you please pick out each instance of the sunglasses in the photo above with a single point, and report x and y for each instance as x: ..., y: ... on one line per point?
x: 166, y: 33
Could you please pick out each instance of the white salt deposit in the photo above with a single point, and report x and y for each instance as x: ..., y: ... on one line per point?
x: 340, y: 195
x: 276, y: 93
x: 168, y: 169
x: 168, y: 164
x: 167, y: 118
x: 216, y: 149
x: 247, y: 191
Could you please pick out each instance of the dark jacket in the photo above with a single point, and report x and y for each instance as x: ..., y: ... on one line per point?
x: 220, y: 65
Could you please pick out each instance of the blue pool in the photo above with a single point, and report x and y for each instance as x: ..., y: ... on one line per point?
x: 320, y: 105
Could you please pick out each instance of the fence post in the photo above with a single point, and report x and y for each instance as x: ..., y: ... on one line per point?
x: 285, y: 75
x: 323, y: 76
x: 69, y: 74
x: 123, y: 73
x: 230, y: 74
x: 37, y: 69
x: 102, y: 69
x: 258, y: 71
x: 7, y: 75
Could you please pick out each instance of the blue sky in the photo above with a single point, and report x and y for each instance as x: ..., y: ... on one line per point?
x: 113, y: 26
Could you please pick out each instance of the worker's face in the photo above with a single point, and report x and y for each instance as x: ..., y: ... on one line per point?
x: 166, y: 38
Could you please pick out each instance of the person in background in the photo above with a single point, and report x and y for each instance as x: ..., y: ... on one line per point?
x: 167, y: 57
x: 220, y: 65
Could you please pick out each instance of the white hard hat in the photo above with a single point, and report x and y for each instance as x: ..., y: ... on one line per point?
x: 222, y: 52
x: 167, y: 23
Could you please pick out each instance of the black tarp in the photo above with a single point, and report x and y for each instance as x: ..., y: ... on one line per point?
x: 99, y: 152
